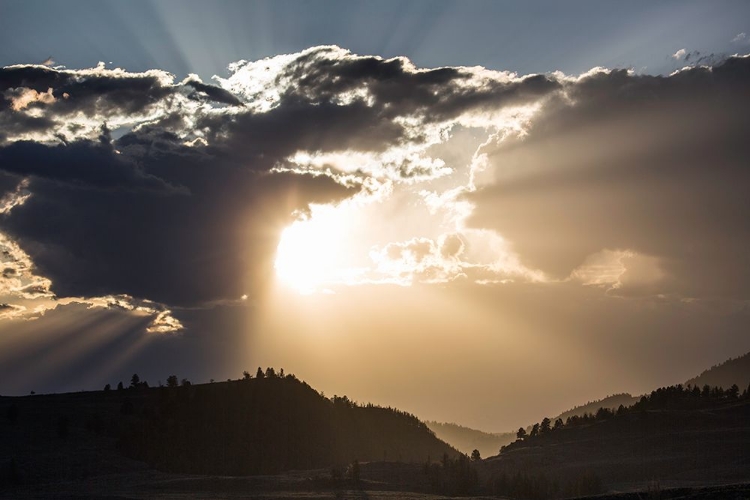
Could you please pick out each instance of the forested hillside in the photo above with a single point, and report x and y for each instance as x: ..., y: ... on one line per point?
x: 674, y: 435
x: 266, y: 425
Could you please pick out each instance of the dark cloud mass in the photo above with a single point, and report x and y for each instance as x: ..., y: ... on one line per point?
x: 181, y: 250
x: 186, y: 206
x: 396, y: 88
x: 82, y: 163
x: 657, y: 165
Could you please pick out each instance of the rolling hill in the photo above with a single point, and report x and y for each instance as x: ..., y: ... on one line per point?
x: 467, y: 440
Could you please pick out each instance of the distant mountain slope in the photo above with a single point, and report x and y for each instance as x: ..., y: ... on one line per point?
x: 610, y: 402
x: 467, y: 440
x: 732, y: 371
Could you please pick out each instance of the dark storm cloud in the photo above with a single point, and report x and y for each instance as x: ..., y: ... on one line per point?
x: 95, y: 91
x: 83, y: 163
x: 398, y: 89
x: 657, y: 165
x: 37, y: 77
x: 296, y: 126
x: 149, y: 215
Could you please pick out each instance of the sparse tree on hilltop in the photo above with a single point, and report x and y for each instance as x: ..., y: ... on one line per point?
x: 545, y: 425
x: 475, y: 456
x: 534, y: 430
x: 521, y: 434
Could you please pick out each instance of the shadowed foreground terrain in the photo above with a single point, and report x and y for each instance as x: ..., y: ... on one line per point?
x: 675, y: 436
x: 276, y: 437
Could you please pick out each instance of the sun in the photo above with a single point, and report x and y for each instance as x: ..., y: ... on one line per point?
x: 309, y: 252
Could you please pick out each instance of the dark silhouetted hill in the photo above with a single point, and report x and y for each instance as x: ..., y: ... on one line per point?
x: 254, y: 426
x: 268, y: 425
x: 732, y: 371
x: 467, y: 440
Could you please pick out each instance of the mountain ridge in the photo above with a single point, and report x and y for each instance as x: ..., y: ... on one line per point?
x: 732, y: 371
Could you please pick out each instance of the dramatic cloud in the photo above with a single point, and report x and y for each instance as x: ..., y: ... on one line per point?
x: 485, y: 259
x: 137, y: 191
x: 651, y: 168
x: 186, y: 204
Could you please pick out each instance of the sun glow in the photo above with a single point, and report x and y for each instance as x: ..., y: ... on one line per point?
x: 309, y: 254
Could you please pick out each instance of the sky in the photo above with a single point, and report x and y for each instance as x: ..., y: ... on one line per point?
x: 478, y: 212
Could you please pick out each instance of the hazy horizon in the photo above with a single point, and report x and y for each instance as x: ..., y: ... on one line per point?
x: 482, y: 213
